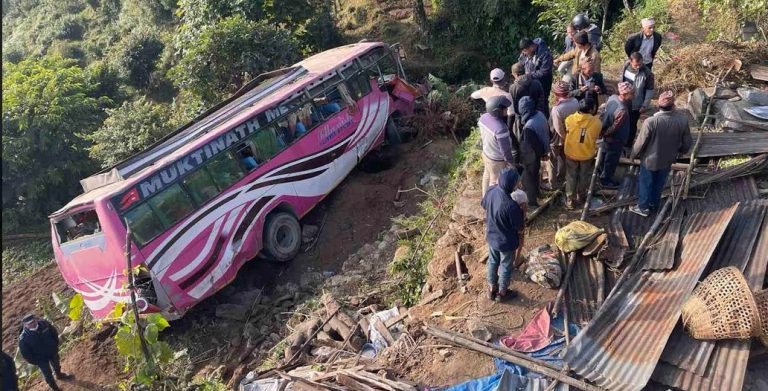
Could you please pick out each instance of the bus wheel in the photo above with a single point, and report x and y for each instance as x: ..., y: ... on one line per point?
x: 282, y: 237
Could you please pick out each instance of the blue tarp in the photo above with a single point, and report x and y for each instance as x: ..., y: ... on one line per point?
x: 510, y: 377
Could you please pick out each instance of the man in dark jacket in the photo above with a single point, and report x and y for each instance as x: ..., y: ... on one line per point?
x: 525, y: 85
x: 537, y: 58
x: 10, y: 381
x: 588, y: 83
x: 615, y: 132
x: 504, y: 225
x: 643, y: 82
x: 663, y: 138
x: 646, y: 42
x: 39, y: 345
x: 534, y: 144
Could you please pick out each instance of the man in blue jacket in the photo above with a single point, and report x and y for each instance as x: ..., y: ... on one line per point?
x: 39, y: 345
x: 537, y: 58
x: 503, y: 231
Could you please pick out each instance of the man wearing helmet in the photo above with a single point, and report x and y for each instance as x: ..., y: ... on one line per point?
x: 581, y: 23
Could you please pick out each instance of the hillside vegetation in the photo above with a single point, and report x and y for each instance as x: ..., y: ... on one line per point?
x: 88, y: 83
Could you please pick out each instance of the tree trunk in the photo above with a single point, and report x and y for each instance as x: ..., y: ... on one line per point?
x: 605, y: 15
x: 626, y: 6
x: 421, y: 16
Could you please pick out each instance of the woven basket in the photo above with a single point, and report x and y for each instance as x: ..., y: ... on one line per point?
x: 761, y: 298
x: 722, y: 307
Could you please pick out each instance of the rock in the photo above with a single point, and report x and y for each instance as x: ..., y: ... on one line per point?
x: 400, y: 253
x: 445, y: 353
x: 232, y: 311
x: 400, y: 13
x: 311, y: 280
x: 345, y: 280
x: 479, y: 330
x: 288, y: 288
x: 323, y: 353
x: 247, y: 297
x: 468, y: 210
x: 426, y: 289
x: 382, y: 245
x: 309, y: 231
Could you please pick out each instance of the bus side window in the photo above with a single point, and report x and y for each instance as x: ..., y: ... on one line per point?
x: 171, y: 204
x: 201, y: 186
x: 144, y: 223
x: 246, y: 156
x: 225, y: 170
x: 359, y: 86
x: 266, y: 144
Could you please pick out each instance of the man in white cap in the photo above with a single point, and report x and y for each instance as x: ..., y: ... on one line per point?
x: 646, y: 42
x: 498, y: 88
x: 39, y: 345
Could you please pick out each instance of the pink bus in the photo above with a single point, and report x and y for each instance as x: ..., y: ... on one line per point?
x: 232, y: 183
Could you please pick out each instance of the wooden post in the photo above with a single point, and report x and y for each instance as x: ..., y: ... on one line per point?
x: 132, y: 289
x: 510, y: 355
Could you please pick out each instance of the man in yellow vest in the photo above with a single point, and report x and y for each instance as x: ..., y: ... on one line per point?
x: 582, y: 130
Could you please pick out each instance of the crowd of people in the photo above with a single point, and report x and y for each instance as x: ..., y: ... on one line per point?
x: 586, y: 132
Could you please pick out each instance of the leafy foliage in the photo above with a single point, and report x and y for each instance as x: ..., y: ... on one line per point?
x: 136, y: 57
x: 728, y: 15
x: 555, y: 15
x: 230, y: 52
x: 47, y: 104
x: 129, y: 129
x: 24, y: 258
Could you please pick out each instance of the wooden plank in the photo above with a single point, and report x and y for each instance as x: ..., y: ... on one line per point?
x: 379, y: 326
x: 391, y: 383
x: 759, y: 72
x: 346, y: 380
x: 431, y: 297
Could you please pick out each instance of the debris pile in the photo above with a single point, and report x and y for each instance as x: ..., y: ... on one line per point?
x: 698, y: 64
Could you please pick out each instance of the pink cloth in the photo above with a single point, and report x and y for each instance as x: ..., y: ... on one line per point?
x: 535, y: 336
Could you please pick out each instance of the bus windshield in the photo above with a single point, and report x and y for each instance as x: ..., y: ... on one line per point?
x: 78, y: 225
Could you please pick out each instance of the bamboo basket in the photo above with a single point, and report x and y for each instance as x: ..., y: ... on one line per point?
x: 761, y: 298
x: 722, y: 307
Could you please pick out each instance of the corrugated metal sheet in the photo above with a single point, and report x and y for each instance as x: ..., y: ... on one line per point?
x: 734, y: 249
x: 661, y: 255
x: 720, y: 194
x: 618, y: 244
x: 727, y: 366
x: 621, y: 346
x: 586, y: 290
x: 726, y: 144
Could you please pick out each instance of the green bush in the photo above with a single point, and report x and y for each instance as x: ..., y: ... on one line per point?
x: 230, y: 52
x: 129, y: 129
x: 135, y: 57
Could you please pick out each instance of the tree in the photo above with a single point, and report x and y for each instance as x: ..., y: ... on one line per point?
x: 136, y: 57
x: 230, y: 52
x: 129, y: 129
x: 46, y: 106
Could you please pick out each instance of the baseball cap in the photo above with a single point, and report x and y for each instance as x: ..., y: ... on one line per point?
x: 497, y: 75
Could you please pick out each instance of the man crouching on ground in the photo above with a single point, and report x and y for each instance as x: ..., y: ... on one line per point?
x: 504, y: 230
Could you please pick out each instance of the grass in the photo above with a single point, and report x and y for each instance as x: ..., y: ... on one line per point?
x: 23, y: 258
x: 411, y: 269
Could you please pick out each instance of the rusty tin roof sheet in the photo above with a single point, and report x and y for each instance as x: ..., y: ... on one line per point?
x: 586, y: 291
x: 734, y: 249
x: 726, y: 144
x: 621, y: 346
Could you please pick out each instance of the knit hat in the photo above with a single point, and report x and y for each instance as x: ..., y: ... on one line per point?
x: 647, y: 22
x: 497, y: 75
x: 666, y: 99
x: 625, y: 87
x: 27, y: 318
x: 561, y: 88
x: 581, y: 38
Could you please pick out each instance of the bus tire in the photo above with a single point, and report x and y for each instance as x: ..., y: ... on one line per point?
x: 282, y: 236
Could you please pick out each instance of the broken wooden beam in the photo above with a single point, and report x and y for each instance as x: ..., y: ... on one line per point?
x: 636, y: 162
x: 379, y: 326
x: 510, y: 355
x: 542, y: 206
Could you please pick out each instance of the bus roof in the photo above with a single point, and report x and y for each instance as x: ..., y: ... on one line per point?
x: 265, y: 91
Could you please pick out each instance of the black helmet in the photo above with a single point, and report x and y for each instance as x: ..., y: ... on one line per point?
x: 496, y: 102
x: 580, y: 21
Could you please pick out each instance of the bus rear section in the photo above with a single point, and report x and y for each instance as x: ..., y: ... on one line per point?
x: 90, y: 253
